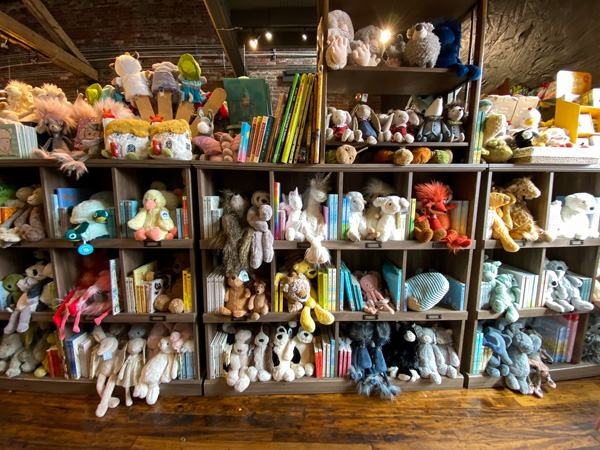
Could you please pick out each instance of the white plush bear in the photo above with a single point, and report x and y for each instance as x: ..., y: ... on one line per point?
x: 356, y: 217
x: 386, y: 225
x: 575, y: 224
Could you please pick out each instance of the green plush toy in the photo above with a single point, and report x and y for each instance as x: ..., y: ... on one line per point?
x: 7, y: 192
x: 504, y: 297
x: 12, y: 290
x: 441, y: 157
x: 496, y: 151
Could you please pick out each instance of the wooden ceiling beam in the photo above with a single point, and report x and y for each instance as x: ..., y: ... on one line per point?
x: 29, y: 39
x: 221, y: 19
x: 52, y: 27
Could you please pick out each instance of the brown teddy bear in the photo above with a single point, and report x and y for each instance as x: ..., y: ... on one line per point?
x: 423, y: 232
x: 236, y: 298
x: 258, y: 304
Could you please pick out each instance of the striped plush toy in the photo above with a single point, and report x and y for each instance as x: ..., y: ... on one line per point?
x: 425, y: 290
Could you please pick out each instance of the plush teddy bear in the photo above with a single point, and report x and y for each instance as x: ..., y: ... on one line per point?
x: 131, y: 78
x: 9, y: 230
x: 282, y: 356
x: 453, y: 114
x: 258, y: 217
x: 427, y: 363
x: 366, y: 122
x: 90, y: 217
x: 303, y: 359
x: 499, y: 229
x: 433, y: 128
x: 386, y: 225
x: 422, y: 47
x: 504, y: 297
x: 449, y: 34
x: 237, y: 373
x: 447, y: 359
x: 339, y: 126
x: 258, y: 303
x: 574, y: 222
x: 262, y: 357
x: 399, y: 127
x: 34, y: 227
x: 402, y: 157
x: 356, y: 221
x: 401, y: 355
x: 236, y: 297
x: 31, y: 287
x: 153, y: 221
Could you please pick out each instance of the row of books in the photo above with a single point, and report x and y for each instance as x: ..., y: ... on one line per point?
x: 187, y: 365
x: 292, y: 134
x: 219, y: 348
x: 324, y: 348
x: 327, y: 286
x: 459, y: 216
x: 141, y: 293
x: 478, y: 144
x: 527, y: 283
x: 558, y: 335
x: 17, y: 140
x: 482, y: 353
x: 211, y: 225
x: 351, y: 297
x: 344, y: 356
x: 215, y: 290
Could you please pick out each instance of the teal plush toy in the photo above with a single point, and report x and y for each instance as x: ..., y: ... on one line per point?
x: 521, y: 347
x: 499, y: 363
x: 504, y: 297
x: 490, y: 270
x: 425, y: 290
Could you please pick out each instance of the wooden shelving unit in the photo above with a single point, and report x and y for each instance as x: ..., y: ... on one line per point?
x: 581, y: 257
x: 126, y: 180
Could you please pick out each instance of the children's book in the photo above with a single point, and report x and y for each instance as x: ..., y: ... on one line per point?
x: 247, y: 98
x: 294, y: 120
x: 71, y: 196
x: 245, y: 135
x: 455, y: 297
x: 392, y: 275
x: 285, y: 119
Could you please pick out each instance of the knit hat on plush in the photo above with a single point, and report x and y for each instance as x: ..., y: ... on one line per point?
x: 425, y: 290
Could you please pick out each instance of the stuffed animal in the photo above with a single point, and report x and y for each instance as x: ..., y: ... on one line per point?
x: 425, y: 290
x: 504, y: 297
x: 236, y: 297
x: 371, y: 35
x: 130, y: 371
x: 258, y: 217
x: 221, y: 147
x: 171, y: 140
x: 339, y: 126
x: 591, y: 345
x: 356, y: 221
x: 339, y: 35
x: 237, y: 373
x: 282, y: 354
x: 425, y: 349
x: 303, y: 359
x: 441, y: 157
x: 421, y: 155
x: 568, y: 286
x: 366, y: 122
x: 90, y: 217
x: 423, y: 232
x: 385, y: 120
x: 11, y: 349
x: 434, y: 129
x: 574, y: 222
x: 453, y: 114
x: 494, y: 127
x: 10, y: 285
x: 399, y: 127
x: 19, y: 101
x: 31, y: 287
x: 55, y: 118
x: 313, y: 222
x: 447, y: 359
x: 345, y: 154
x: 126, y: 139
x: 111, y: 360
x: 31, y: 224
x: 499, y: 229
x: 153, y: 221
x: 386, y: 225
x: 496, y: 151
x: 164, y: 79
x: 191, y: 79
x: 499, y: 362
x: 373, y: 300
x: 521, y: 347
x: 374, y: 189
x: 449, y: 34
x: 258, y: 304
x: 131, y: 78
x: 401, y: 355
x: 422, y: 45
x: 293, y: 208
x: 402, y: 157
x: 555, y: 295
x: 540, y: 371
x: 162, y: 368
x: 263, y: 357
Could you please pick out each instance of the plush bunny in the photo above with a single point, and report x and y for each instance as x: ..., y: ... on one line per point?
x: 399, y: 127
x: 339, y: 129
x: 366, y: 122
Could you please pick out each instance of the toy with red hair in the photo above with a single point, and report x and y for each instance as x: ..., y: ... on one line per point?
x: 434, y: 197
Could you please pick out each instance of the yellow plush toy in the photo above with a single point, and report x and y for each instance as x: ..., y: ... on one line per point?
x: 499, y: 229
x: 153, y: 221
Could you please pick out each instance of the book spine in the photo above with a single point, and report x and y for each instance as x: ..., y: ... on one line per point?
x: 276, y: 199
x: 285, y: 120
x: 265, y: 139
x: 245, y: 134
x: 251, y: 140
x: 294, y: 121
x: 55, y: 218
x: 179, y: 215
x: 184, y: 213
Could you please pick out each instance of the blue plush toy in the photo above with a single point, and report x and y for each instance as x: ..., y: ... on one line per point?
x: 449, y: 33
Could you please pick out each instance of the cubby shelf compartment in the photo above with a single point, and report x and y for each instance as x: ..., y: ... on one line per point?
x: 392, y: 80
x: 526, y: 312
x: 559, y: 372
x: 311, y: 385
x: 46, y: 316
x: 57, y: 385
x: 494, y: 243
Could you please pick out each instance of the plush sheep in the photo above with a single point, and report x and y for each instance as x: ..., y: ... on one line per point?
x: 423, y: 46
x: 386, y: 225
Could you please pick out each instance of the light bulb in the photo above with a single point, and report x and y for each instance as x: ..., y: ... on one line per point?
x: 304, y: 37
x: 253, y: 43
x: 385, y: 36
x: 268, y: 35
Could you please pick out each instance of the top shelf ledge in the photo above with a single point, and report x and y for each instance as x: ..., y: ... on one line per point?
x: 392, y: 80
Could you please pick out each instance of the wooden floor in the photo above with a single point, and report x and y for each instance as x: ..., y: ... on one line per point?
x: 482, y: 419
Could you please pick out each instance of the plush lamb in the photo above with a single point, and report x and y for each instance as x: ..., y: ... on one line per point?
x: 574, y: 222
x: 423, y: 46
x: 386, y: 225
x: 356, y: 218
x: 237, y: 374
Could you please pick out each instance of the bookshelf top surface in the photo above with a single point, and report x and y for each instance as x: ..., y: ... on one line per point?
x: 543, y: 168
x: 526, y: 312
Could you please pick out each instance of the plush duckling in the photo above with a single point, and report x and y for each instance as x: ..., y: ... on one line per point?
x: 153, y: 221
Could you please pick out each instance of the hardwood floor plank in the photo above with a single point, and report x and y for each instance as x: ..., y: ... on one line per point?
x: 242, y: 444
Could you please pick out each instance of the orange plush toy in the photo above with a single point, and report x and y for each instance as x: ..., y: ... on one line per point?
x: 433, y: 197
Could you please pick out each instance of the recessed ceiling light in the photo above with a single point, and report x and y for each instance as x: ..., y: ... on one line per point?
x: 253, y: 43
x: 268, y: 35
x: 304, y: 36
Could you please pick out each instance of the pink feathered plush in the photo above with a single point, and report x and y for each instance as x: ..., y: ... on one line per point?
x: 220, y: 148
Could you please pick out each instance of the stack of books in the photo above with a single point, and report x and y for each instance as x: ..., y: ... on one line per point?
x: 459, y: 216
x: 187, y: 367
x: 211, y: 214
x: 324, y: 348
x: 351, y: 294
x: 528, y: 283
x: 558, y: 335
x: 215, y: 290
x: 78, y: 349
x: 482, y: 353
x: 344, y: 356
x: 218, y: 347
x: 326, y: 286
x: 17, y: 140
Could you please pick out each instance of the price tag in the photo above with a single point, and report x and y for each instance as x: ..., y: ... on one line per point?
x: 244, y: 276
x: 107, y: 356
x: 85, y: 249
x: 164, y: 214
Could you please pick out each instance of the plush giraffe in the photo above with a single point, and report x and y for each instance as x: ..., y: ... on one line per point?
x: 523, y: 223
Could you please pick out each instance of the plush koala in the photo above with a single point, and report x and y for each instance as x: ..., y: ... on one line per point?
x: 258, y: 217
x: 238, y: 375
x: 386, y: 225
